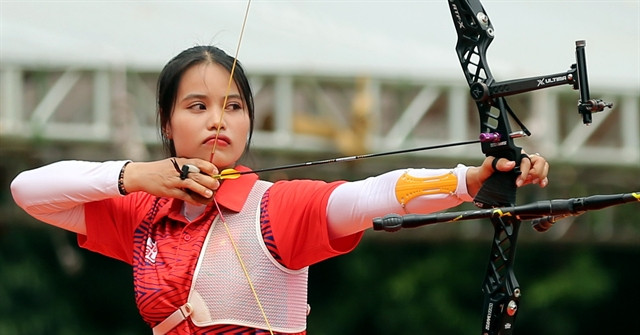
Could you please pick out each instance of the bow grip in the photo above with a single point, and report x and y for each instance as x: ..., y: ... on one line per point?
x: 499, y: 189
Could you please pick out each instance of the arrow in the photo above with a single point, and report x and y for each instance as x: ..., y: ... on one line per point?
x: 235, y: 174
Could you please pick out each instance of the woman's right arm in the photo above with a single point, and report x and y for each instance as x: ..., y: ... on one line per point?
x: 56, y: 193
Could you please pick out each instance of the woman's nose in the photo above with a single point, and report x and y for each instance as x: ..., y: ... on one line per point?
x: 216, y: 118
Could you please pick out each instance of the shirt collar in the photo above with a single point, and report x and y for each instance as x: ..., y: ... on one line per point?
x: 232, y: 194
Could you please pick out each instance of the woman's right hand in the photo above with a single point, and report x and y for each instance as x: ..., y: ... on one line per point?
x: 160, y: 178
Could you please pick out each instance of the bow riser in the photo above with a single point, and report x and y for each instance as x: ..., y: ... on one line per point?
x: 500, y: 287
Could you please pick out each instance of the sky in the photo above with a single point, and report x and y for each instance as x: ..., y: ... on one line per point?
x: 413, y: 39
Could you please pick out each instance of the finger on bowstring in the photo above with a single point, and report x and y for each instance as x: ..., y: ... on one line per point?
x: 195, y: 187
x: 200, y: 173
x: 198, y: 167
x: 205, y: 180
x: 191, y: 197
x: 207, y: 167
x: 198, y: 199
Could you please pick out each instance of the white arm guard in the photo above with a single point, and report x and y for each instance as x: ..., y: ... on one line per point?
x: 353, y: 206
x: 55, y: 193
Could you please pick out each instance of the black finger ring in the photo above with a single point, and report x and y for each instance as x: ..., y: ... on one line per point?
x: 494, y: 164
x: 186, y: 169
x: 184, y: 173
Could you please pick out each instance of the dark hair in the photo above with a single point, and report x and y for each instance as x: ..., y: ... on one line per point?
x: 170, y: 77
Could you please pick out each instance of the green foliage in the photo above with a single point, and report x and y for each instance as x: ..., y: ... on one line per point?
x: 40, y: 295
x: 380, y: 288
x: 422, y: 288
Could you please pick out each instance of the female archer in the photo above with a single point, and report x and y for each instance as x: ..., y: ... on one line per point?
x: 214, y: 256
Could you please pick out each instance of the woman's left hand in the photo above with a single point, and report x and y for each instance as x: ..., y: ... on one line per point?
x: 533, y: 170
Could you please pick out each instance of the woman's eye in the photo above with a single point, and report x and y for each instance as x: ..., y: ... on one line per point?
x: 234, y: 106
x: 198, y: 106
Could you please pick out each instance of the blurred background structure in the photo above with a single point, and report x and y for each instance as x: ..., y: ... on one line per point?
x: 77, y: 81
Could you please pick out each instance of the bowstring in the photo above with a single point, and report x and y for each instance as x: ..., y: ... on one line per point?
x: 244, y: 268
x: 233, y: 68
x: 213, y: 150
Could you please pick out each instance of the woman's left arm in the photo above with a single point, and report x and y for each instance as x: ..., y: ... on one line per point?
x: 353, y: 206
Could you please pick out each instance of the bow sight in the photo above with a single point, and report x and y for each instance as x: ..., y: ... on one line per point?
x: 576, y: 76
x: 475, y: 33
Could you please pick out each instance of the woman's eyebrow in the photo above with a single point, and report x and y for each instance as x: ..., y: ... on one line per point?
x: 234, y: 96
x: 192, y: 96
x: 202, y: 96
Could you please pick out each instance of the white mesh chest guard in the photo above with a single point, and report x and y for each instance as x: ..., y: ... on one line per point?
x: 220, y: 292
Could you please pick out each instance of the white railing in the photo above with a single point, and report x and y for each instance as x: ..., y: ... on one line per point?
x: 316, y: 113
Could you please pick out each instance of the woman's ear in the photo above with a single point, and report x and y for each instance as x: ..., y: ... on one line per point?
x: 166, y: 132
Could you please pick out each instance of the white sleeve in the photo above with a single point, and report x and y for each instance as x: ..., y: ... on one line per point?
x: 56, y: 193
x: 352, y: 206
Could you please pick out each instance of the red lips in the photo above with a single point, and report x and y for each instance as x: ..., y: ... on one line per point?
x: 222, y: 139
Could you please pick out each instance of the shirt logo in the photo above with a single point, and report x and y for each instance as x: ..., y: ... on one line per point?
x: 151, y: 251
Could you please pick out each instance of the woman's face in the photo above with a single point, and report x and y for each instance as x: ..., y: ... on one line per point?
x: 196, y: 117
